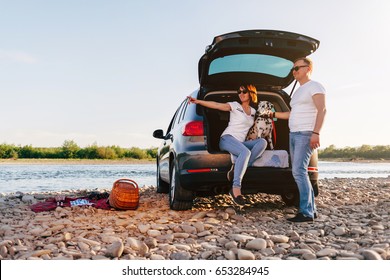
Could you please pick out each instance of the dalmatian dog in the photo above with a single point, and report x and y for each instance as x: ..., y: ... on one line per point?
x: 262, y: 127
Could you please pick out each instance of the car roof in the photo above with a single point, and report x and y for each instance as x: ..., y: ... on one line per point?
x: 260, y: 57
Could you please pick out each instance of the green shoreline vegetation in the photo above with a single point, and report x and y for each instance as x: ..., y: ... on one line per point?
x: 364, y: 152
x: 70, y: 150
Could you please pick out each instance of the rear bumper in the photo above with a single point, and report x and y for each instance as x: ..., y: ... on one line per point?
x: 256, y: 179
x: 206, y: 172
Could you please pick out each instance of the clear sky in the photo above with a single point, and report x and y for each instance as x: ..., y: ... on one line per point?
x: 111, y: 72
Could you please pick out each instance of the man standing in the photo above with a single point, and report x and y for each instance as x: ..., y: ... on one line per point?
x: 305, y: 122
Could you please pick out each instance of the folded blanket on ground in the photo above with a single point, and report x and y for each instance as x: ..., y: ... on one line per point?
x: 53, y: 203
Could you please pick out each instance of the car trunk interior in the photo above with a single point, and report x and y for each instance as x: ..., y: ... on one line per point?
x: 216, y: 121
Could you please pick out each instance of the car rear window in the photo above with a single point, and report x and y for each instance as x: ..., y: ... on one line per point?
x: 255, y: 63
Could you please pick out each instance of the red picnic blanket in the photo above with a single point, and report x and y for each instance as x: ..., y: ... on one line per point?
x: 53, y: 203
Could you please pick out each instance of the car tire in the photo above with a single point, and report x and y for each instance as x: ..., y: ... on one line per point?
x: 179, y: 198
x: 162, y: 187
x: 291, y: 198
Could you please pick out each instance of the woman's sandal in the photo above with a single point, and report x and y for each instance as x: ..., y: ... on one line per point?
x: 239, y: 199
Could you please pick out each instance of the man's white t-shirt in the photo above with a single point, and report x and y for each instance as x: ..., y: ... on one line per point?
x: 239, y: 122
x: 303, y: 110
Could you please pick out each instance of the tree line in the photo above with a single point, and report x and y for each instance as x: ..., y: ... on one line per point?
x: 70, y: 150
x: 362, y: 152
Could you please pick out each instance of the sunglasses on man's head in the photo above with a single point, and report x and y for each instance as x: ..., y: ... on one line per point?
x: 296, y: 68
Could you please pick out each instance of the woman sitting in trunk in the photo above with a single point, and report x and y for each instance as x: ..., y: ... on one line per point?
x: 232, y: 140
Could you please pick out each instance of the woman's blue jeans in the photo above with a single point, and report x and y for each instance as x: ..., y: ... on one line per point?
x: 244, y: 154
x: 301, y: 152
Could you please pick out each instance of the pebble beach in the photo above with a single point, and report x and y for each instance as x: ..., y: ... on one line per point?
x: 353, y: 223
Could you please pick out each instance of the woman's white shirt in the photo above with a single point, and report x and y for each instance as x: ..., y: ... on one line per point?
x: 239, y: 122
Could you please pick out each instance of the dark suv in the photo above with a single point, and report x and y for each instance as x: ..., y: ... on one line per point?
x: 189, y: 161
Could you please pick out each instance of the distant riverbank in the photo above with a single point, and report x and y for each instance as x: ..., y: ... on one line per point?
x: 357, y: 160
x: 76, y: 161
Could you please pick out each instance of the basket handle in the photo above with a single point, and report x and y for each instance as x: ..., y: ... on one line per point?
x: 126, y: 180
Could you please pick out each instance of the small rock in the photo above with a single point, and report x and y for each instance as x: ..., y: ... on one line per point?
x: 153, y: 232
x: 230, y: 245
x: 40, y: 253
x: 115, y: 250
x: 241, y: 237
x: 199, y: 226
x: 339, y: 231
x: 309, y: 256
x: 229, y: 255
x: 301, y: 251
x: 181, y: 235
x: 3, y: 251
x: 327, y: 252
x: 199, y: 215
x: 143, y: 228
x: 180, y: 256
x: 206, y: 255
x: 378, y: 227
x: 157, y: 257
x: 151, y: 242
x: 256, y: 244
x: 230, y: 211
x: 371, y: 255
x: 279, y: 238
x: 28, y: 199
x: 245, y: 255
x: 189, y: 229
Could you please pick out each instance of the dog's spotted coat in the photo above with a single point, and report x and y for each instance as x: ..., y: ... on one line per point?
x: 262, y: 127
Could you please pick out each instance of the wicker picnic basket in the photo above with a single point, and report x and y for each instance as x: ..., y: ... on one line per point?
x: 124, y: 195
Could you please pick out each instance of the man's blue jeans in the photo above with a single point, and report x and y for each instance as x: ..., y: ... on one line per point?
x: 301, y: 152
x: 244, y: 154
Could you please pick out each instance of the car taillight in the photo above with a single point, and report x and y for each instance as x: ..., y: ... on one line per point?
x: 194, y: 128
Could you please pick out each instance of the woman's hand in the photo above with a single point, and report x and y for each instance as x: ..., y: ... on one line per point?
x: 209, y: 104
x: 267, y: 114
x: 191, y: 100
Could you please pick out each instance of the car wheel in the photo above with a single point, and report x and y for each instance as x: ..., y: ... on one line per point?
x: 162, y: 187
x: 179, y: 198
x: 291, y: 198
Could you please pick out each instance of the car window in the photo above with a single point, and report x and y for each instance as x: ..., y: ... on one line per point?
x: 256, y: 63
x: 182, y: 112
x: 176, y: 118
x: 171, y: 123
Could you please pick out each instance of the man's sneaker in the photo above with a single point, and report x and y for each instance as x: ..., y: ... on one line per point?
x: 300, y: 218
x: 230, y: 173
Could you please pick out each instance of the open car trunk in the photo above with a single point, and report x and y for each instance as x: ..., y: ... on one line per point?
x: 216, y: 121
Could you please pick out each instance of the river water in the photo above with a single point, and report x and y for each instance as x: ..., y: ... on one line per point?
x: 38, y: 178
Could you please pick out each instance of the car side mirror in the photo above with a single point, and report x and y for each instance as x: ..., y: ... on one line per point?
x: 159, y: 134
